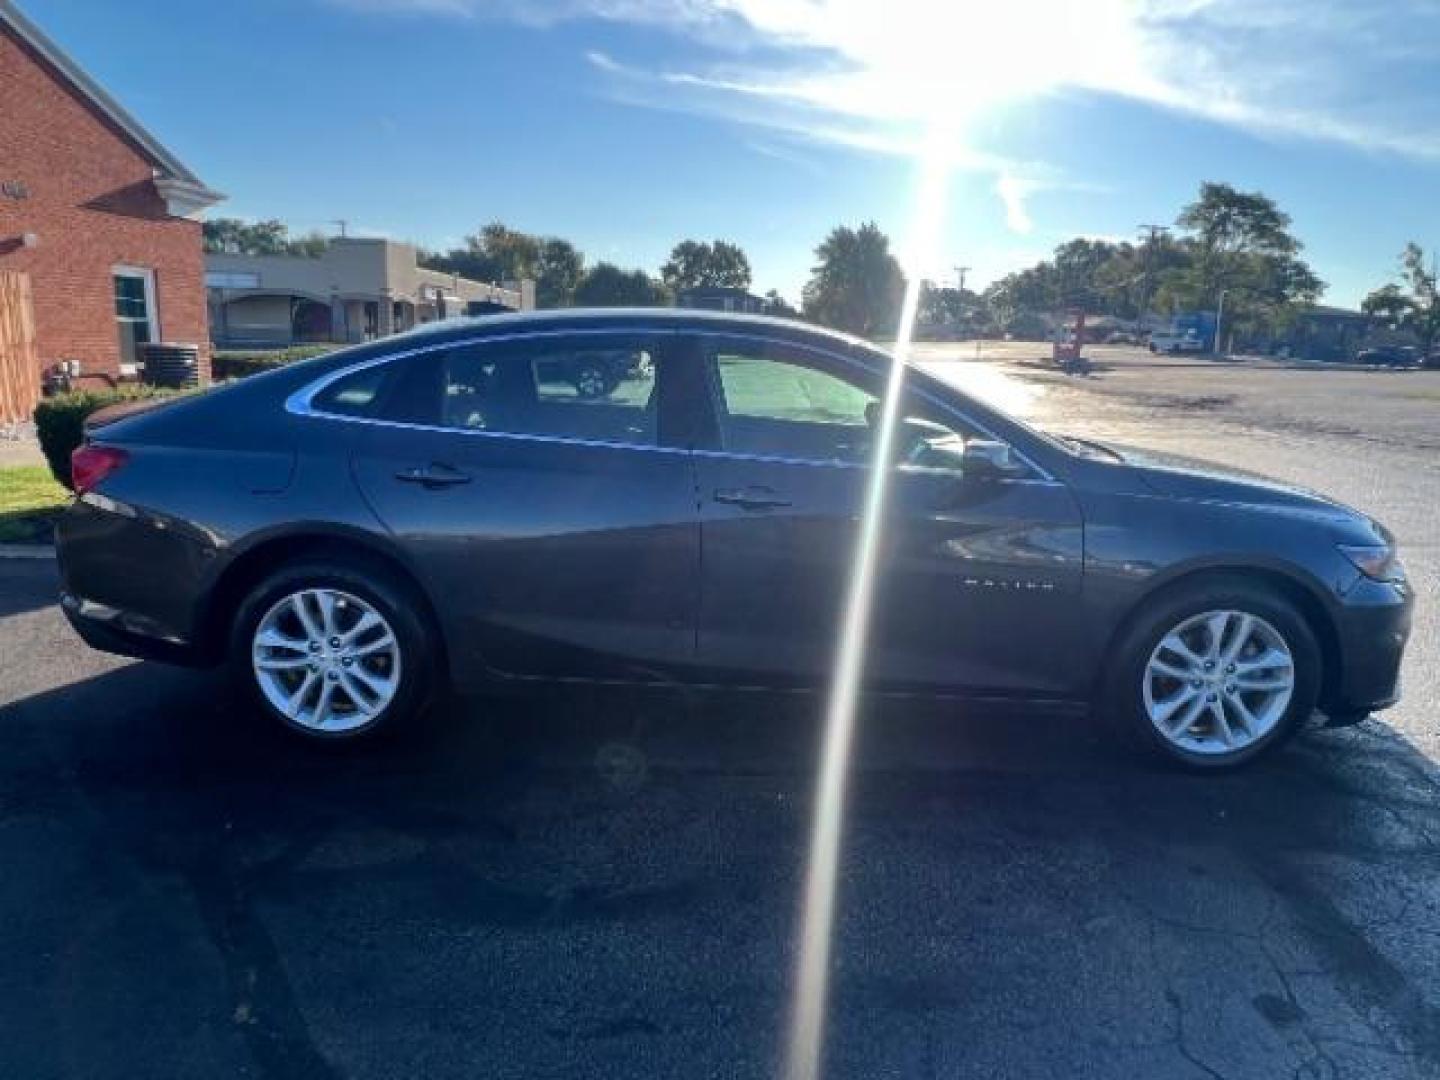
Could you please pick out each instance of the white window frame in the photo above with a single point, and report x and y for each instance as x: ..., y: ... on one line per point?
x: 152, y: 309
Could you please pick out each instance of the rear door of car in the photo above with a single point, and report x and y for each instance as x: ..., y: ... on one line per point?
x: 552, y: 523
x: 979, y: 576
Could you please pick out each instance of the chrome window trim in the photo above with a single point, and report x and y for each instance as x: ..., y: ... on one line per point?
x: 301, y: 402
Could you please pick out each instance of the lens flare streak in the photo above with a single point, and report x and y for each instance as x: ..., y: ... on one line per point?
x: 807, y: 1025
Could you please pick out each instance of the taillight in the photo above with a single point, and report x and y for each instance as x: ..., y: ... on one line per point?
x: 91, y: 464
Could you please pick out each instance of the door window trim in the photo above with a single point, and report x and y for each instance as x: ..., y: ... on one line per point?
x: 301, y: 402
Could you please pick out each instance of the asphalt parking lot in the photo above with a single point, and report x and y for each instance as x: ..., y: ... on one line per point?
x: 606, y: 884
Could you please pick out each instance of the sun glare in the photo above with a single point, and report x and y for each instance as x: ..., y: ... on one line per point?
x: 818, y: 908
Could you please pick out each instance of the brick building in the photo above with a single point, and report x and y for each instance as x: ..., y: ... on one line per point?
x: 100, y: 218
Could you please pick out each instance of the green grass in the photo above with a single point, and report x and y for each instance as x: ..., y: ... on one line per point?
x: 29, y: 501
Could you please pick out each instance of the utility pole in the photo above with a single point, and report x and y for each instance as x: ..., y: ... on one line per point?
x: 343, y: 225
x: 1219, y: 324
x: 960, y: 272
x: 1155, y: 232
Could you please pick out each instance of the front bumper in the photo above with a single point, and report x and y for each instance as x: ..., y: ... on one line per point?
x: 1372, y: 625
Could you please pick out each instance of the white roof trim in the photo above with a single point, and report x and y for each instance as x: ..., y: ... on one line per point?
x: 107, y: 106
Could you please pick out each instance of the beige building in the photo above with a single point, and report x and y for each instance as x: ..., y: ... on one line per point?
x: 356, y: 290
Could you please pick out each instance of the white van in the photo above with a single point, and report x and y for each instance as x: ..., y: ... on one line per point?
x: 1173, y: 341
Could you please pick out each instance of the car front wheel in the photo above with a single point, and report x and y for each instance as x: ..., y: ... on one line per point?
x: 1211, y: 677
x: 332, y: 651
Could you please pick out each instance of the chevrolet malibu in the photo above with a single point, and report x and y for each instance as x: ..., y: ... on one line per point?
x: 453, y: 508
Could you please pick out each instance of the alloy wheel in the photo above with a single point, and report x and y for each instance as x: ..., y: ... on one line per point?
x: 326, y: 660
x: 1218, y: 682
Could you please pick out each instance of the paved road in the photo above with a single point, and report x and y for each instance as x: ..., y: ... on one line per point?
x: 606, y: 885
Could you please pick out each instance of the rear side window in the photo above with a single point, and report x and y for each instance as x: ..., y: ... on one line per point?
x: 596, y: 390
x: 598, y: 393
x: 354, y: 395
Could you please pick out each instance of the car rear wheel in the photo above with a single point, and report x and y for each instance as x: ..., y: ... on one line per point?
x: 1213, y: 676
x: 333, y: 651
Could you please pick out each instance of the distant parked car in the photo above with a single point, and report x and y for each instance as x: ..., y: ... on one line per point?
x: 1173, y: 341
x: 1389, y: 356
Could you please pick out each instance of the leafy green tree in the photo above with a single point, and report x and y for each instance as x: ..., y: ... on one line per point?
x: 1241, y: 245
x: 515, y: 254
x: 558, y: 271
x: 500, y: 253
x: 1022, y: 296
x: 606, y: 285
x: 949, y: 307
x: 856, y: 284
x: 235, y: 236
x: 1413, y: 305
x: 694, y: 263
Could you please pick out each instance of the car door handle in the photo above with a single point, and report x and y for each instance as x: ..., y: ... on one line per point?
x: 752, y: 498
x: 434, y: 475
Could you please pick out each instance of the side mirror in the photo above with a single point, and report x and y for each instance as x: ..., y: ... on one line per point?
x: 986, y: 459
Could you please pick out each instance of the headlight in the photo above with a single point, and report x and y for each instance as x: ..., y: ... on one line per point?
x: 1376, y: 561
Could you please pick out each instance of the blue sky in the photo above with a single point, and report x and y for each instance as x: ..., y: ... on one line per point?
x: 626, y: 125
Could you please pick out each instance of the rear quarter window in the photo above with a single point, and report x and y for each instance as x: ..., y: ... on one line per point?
x: 355, y: 395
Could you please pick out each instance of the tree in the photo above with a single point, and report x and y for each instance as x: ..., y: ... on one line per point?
x: 1226, y: 226
x: 515, y: 254
x: 944, y: 306
x: 495, y: 253
x: 856, y: 284
x: 606, y: 285
x: 500, y: 253
x: 558, y: 271
x: 1415, y: 306
x: 694, y: 263
x: 234, y: 236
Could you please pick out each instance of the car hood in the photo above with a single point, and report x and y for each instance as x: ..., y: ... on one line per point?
x: 1180, y: 477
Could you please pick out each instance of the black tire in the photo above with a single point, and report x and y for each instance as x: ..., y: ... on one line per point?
x: 1122, y: 697
x: 394, y: 600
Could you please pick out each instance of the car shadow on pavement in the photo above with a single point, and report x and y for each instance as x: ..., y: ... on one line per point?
x: 607, y: 882
x: 22, y: 589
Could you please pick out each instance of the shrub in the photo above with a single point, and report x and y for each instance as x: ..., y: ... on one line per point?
x: 60, y: 420
x: 237, y: 365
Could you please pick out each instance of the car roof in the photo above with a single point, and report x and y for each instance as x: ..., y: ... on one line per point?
x: 594, y: 318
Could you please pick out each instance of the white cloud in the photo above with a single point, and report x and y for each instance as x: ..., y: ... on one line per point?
x: 1012, y: 191
x: 871, y: 74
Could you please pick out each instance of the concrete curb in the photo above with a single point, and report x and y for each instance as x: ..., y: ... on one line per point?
x: 26, y: 551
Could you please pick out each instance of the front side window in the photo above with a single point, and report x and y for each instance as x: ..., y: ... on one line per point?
x: 783, y: 403
x: 596, y: 391
x: 776, y: 405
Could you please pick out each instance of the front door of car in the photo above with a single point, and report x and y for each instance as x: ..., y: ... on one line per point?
x: 979, y: 575
x: 538, y: 504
